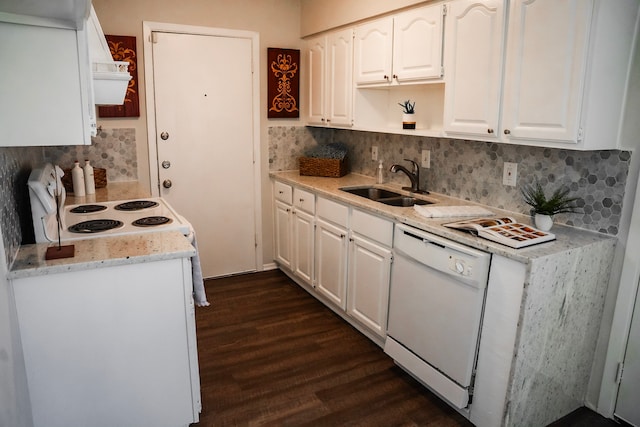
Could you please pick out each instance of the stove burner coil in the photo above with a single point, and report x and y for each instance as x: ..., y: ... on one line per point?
x: 83, y: 209
x: 151, y: 221
x: 136, y: 205
x: 95, y: 226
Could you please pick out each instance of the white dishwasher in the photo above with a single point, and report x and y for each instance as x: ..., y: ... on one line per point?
x: 435, y: 310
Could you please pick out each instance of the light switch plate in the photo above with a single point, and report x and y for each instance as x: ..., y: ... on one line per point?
x: 426, y: 159
x: 510, y: 174
x: 374, y: 153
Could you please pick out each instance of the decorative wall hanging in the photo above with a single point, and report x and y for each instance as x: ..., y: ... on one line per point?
x: 283, y: 82
x: 123, y: 48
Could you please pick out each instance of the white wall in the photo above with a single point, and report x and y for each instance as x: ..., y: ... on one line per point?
x: 276, y: 21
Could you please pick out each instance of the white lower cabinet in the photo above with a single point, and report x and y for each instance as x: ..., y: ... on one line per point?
x: 303, y: 237
x: 294, y: 225
x: 113, y: 346
x: 331, y: 262
x: 368, y: 285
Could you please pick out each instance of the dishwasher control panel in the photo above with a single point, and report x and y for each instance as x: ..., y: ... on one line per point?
x: 468, y: 264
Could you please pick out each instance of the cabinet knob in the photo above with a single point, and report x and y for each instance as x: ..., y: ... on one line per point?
x: 386, y: 77
x: 322, y: 119
x: 167, y: 183
x: 328, y: 120
x: 395, y: 76
x: 507, y: 132
x: 164, y: 136
x: 301, y: 200
x: 489, y: 130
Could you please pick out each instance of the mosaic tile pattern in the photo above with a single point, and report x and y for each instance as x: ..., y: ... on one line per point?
x: 472, y: 170
x: 16, y: 164
x: 112, y: 149
x: 288, y: 143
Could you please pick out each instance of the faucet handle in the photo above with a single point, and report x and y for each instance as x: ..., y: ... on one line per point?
x: 414, y: 164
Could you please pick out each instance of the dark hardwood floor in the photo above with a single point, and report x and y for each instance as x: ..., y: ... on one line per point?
x: 271, y: 354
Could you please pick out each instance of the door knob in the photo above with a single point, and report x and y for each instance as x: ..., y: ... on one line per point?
x: 167, y: 183
x: 166, y: 164
x: 164, y: 136
x: 507, y: 132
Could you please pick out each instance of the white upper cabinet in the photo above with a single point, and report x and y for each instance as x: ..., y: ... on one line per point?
x: 403, y: 48
x: 45, y: 86
x: 545, y: 70
x: 566, y: 72
x: 373, y: 50
x: 417, y: 44
x: 474, y: 36
x: 329, y: 60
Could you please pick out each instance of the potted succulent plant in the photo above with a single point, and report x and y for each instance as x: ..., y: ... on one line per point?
x: 408, y: 114
x: 542, y: 208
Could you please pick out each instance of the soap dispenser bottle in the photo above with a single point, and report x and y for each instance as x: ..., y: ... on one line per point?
x: 380, y: 175
x: 77, y: 176
x: 89, y: 180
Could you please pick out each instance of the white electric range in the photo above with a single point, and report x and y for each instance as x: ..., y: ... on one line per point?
x: 53, y: 221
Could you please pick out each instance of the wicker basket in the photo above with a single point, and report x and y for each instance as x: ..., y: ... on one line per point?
x: 335, y: 168
x: 99, y: 175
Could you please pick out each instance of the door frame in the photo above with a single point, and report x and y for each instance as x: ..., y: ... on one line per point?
x: 628, y: 288
x: 148, y: 27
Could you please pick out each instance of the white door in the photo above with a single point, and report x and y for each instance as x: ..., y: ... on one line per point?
x: 203, y: 88
x: 627, y: 407
x: 316, y: 59
x: 373, y: 47
x: 303, y: 247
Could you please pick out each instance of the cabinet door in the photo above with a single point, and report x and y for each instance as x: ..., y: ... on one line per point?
x: 339, y: 97
x: 282, y: 237
x: 417, y: 44
x: 331, y: 262
x: 474, y: 38
x: 45, y: 86
x: 303, y: 237
x: 316, y: 59
x: 368, y: 286
x: 544, y: 69
x: 373, y: 46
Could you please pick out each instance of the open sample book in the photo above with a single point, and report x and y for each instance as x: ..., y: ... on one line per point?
x: 504, y: 230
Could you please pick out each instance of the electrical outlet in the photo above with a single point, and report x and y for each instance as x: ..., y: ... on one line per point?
x: 426, y: 158
x: 510, y: 174
x: 374, y: 153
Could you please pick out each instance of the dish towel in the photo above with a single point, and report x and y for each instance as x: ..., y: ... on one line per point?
x: 199, y: 295
x: 451, y: 211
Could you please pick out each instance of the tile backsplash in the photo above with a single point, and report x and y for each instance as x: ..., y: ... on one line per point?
x: 472, y: 170
x: 112, y: 149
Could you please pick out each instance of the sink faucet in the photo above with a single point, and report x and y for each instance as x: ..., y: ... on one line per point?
x: 414, y: 176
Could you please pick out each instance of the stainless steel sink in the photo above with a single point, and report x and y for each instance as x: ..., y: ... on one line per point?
x: 387, y: 197
x: 404, y: 201
x: 372, y: 193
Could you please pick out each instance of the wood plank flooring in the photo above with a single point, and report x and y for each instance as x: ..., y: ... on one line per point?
x: 271, y: 354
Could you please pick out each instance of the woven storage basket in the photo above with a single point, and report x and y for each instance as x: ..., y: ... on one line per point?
x: 311, y: 166
x: 99, y: 175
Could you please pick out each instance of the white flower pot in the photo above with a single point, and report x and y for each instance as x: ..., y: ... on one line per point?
x: 408, y: 121
x: 543, y: 222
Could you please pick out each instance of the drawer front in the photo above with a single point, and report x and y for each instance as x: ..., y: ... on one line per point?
x: 304, y: 200
x: 373, y: 227
x: 334, y: 212
x: 283, y: 192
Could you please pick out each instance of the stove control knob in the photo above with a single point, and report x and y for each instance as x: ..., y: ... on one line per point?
x: 164, y: 136
x: 166, y: 164
x: 167, y: 183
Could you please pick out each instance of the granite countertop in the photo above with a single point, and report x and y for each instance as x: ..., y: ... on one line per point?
x: 567, y: 238
x: 102, y: 252
x: 113, y: 191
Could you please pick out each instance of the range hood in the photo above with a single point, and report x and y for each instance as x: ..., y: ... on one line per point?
x: 110, y: 78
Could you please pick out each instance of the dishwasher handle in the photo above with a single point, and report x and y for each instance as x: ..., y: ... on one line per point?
x: 424, y: 240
